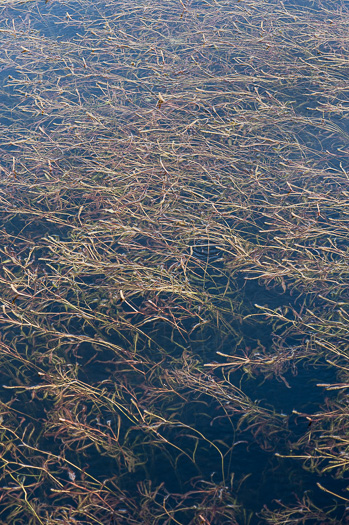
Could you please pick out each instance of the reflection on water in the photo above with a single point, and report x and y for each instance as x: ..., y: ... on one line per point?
x: 174, y: 249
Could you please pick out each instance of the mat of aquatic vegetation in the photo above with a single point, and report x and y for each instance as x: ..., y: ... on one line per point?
x: 174, y: 262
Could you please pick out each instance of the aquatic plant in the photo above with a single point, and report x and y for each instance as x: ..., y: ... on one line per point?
x: 174, y: 233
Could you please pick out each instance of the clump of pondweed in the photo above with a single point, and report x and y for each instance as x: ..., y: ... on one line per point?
x: 163, y: 170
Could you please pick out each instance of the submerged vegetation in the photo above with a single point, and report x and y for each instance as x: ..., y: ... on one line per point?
x: 174, y: 262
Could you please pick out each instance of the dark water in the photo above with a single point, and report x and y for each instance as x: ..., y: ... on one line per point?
x: 253, y: 462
